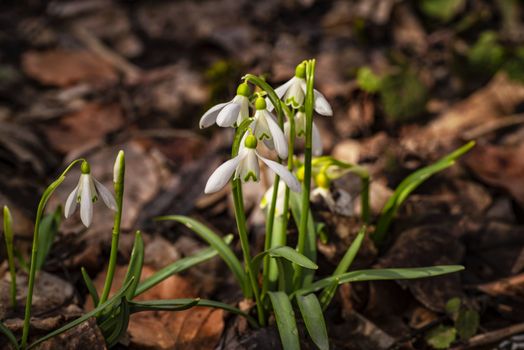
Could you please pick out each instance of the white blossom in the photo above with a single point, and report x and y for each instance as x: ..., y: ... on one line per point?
x: 229, y: 113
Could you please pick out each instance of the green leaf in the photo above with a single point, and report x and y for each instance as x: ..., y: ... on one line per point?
x: 217, y: 243
x: 46, y: 235
x: 467, y: 324
x: 286, y: 253
x: 403, y: 95
x: 90, y: 286
x: 114, y: 300
x: 310, y: 247
x: 443, y: 10
x: 9, y: 335
x: 314, y: 319
x: 409, y: 184
x: 343, y: 266
x: 380, y: 275
x: 121, y: 323
x: 453, y: 307
x: 286, y: 323
x: 134, y: 269
x: 367, y: 80
x: 441, y: 337
x: 179, y: 266
x: 487, y: 55
x: 175, y: 304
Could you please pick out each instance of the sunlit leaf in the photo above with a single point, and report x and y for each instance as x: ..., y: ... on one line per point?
x: 441, y: 337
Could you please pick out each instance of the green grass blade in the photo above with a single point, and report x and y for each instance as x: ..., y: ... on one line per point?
x: 179, y: 266
x: 217, y: 243
x: 287, y: 253
x: 314, y: 319
x: 409, y: 184
x: 9, y: 335
x: 86, y: 316
x: 134, y: 269
x: 90, y: 286
x: 286, y: 323
x: 310, y: 246
x: 381, y: 274
x: 343, y: 266
x: 46, y: 235
x: 121, y: 325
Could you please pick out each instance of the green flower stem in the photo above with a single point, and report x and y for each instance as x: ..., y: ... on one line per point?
x: 32, y: 269
x: 240, y: 218
x: 8, y: 235
x: 306, y: 186
x: 113, y: 255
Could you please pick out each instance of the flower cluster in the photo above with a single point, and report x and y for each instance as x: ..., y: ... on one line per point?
x: 264, y: 127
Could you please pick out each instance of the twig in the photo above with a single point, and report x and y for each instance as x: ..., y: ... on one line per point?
x: 493, y: 125
x: 491, y: 337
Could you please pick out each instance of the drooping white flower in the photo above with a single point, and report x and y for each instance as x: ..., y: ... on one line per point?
x: 86, y: 193
x: 229, y: 113
x: 266, y: 129
x: 300, y: 131
x: 268, y: 196
x: 293, y: 93
x: 245, y: 167
x: 323, y: 189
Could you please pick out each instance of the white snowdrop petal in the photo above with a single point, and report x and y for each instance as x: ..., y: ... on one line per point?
x: 228, y: 115
x: 70, y: 205
x: 317, y: 142
x: 279, y: 140
x: 321, y: 105
x: 249, y: 165
x: 244, y: 110
x: 280, y: 91
x: 210, y: 117
x: 86, y: 203
x: 222, y: 174
x: 106, y: 196
x: 290, y: 180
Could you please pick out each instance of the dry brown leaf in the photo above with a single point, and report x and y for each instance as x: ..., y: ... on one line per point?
x: 67, y: 67
x: 87, y: 126
x: 500, y: 167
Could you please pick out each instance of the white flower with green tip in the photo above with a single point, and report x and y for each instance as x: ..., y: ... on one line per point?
x: 265, y: 128
x: 268, y: 196
x: 230, y: 113
x: 293, y: 93
x: 86, y: 193
x: 245, y: 167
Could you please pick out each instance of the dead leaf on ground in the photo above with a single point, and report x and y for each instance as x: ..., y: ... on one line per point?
x: 61, y: 67
x: 500, y: 166
x: 87, y: 126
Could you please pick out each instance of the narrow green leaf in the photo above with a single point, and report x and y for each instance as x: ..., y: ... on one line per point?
x: 310, y: 246
x: 381, y: 274
x: 134, y: 269
x: 90, y: 286
x: 287, y: 253
x: 314, y: 319
x: 409, y: 184
x: 46, y: 235
x: 179, y: 266
x: 9, y: 335
x: 286, y: 323
x: 174, y: 304
x: 86, y: 316
x: 343, y: 266
x: 122, y: 321
x: 217, y: 243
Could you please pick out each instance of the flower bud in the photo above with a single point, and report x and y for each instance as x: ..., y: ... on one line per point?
x: 251, y: 141
x: 322, y: 180
x: 300, y: 71
x: 244, y: 90
x: 119, y: 168
x: 85, y: 168
x: 260, y: 103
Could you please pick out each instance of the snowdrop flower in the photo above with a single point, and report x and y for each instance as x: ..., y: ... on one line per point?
x: 268, y: 196
x: 86, y: 193
x: 229, y: 113
x: 245, y: 167
x: 300, y: 131
x: 266, y: 129
x: 293, y: 93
